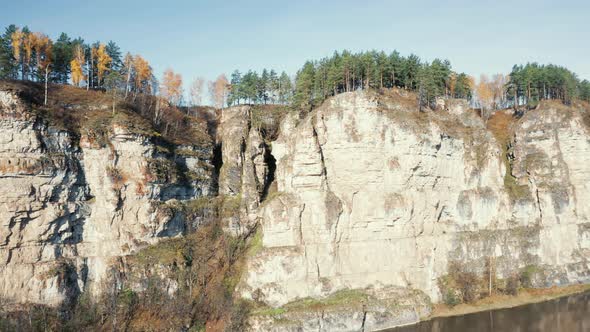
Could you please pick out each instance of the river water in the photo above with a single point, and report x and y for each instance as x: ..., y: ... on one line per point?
x: 567, y: 314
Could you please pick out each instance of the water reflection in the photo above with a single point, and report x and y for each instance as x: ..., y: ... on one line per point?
x: 568, y: 314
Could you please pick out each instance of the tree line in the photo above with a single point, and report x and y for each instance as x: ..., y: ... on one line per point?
x: 33, y: 56
x: 266, y: 87
x: 345, y: 71
x: 533, y: 82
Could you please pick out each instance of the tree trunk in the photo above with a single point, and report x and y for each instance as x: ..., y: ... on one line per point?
x: 46, y: 83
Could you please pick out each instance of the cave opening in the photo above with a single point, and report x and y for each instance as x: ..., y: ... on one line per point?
x: 271, y: 163
x: 217, y: 162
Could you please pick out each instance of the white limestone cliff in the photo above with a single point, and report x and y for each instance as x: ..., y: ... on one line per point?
x: 373, y: 194
x: 69, y: 209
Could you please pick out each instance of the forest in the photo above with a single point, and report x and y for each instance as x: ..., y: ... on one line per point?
x: 33, y: 56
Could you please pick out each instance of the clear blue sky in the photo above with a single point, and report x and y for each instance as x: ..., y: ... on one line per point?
x: 206, y: 38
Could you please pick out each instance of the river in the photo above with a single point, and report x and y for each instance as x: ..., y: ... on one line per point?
x: 566, y: 314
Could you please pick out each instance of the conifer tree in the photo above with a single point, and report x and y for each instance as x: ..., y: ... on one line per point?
x: 114, y: 52
x: 8, y: 64
x: 235, y: 93
x: 304, y: 85
x: 285, y: 88
x: 62, y: 55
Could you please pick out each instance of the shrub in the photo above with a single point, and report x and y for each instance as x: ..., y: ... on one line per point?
x: 450, y: 298
x: 467, y: 283
x: 512, y: 285
x: 527, y: 275
x: 117, y: 177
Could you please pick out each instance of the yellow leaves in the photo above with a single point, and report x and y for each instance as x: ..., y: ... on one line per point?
x: 77, y: 65
x: 17, y: 43
x: 484, y: 92
x: 452, y: 83
x: 128, y: 63
x: 29, y: 42
x: 143, y: 73
x: 24, y: 44
x: 218, y: 90
x: 44, y: 50
x: 171, y: 87
x: 103, y: 61
x: 491, y: 92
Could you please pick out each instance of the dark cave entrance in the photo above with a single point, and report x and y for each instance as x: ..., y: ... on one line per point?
x: 217, y: 162
x: 271, y: 163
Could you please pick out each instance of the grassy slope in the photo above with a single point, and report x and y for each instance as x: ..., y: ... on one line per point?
x: 84, y: 112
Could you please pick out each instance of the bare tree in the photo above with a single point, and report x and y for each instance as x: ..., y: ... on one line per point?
x: 196, y: 91
x: 218, y: 91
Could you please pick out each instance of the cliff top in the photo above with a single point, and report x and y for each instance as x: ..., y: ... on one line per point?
x: 90, y: 112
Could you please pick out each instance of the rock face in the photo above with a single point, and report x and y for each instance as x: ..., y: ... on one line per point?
x: 70, y: 206
x: 244, y: 171
x: 373, y: 194
x: 362, y: 207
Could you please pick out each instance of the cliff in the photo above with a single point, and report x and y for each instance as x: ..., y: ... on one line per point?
x: 373, y: 195
x: 74, y: 199
x: 356, y: 216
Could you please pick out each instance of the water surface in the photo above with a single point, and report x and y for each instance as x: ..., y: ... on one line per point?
x: 567, y: 314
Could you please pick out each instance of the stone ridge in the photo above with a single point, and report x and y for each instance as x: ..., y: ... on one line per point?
x: 373, y: 194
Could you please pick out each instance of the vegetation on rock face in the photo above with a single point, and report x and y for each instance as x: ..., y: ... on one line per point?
x: 183, y: 283
x: 268, y: 87
x: 462, y: 285
x: 345, y: 71
x: 34, y: 56
x: 532, y: 83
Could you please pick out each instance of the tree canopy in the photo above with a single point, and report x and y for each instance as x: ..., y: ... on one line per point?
x: 263, y: 88
x: 345, y: 71
x: 533, y: 82
x: 28, y: 55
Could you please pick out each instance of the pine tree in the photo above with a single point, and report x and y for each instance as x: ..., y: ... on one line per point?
x: 462, y: 88
x: 8, y: 64
x: 285, y: 88
x: 272, y: 86
x: 235, y: 94
x: 304, y: 85
x: 113, y: 50
x: 261, y: 86
x: 62, y: 55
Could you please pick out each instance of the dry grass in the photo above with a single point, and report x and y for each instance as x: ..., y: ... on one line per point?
x: 500, y: 124
x: 89, y: 113
x: 501, y: 301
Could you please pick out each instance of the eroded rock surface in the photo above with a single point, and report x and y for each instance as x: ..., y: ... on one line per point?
x: 69, y: 206
x: 373, y: 194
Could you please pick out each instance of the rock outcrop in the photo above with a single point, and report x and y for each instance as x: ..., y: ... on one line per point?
x: 70, y: 206
x: 373, y: 194
x: 364, y: 207
x: 244, y: 172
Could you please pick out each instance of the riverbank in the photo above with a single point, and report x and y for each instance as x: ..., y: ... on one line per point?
x: 502, y: 301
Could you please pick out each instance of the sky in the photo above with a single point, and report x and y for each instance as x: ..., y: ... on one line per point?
x: 207, y: 38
